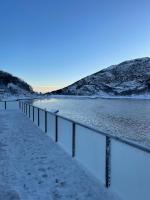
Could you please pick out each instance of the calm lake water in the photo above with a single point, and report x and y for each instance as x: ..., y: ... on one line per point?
x: 128, y: 118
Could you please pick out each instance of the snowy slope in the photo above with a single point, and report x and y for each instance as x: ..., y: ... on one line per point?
x: 12, y: 87
x: 127, y: 78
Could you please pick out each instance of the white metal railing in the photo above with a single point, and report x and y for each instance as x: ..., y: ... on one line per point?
x: 121, y: 165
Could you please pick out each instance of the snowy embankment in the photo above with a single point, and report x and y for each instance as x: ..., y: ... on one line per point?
x: 10, y: 97
x: 33, y: 167
x: 142, y: 96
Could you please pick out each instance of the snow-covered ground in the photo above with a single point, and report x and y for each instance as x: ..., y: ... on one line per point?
x: 10, y: 97
x: 33, y: 167
x: 104, y: 96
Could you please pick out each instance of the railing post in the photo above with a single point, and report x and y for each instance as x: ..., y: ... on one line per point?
x: 56, y: 124
x: 5, y: 105
x: 45, y: 121
x: 108, y: 161
x: 73, y: 139
x: 29, y: 110
x: 26, y: 109
x: 38, y: 117
x: 33, y: 113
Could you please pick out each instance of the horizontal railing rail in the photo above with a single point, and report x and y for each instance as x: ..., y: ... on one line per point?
x: 73, y: 136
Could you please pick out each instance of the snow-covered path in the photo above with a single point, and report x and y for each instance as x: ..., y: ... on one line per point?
x: 33, y: 167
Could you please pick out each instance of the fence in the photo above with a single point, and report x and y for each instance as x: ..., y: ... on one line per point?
x: 4, y: 105
x: 121, y: 165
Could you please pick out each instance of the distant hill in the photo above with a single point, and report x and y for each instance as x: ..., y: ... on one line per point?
x: 127, y: 78
x: 13, y: 85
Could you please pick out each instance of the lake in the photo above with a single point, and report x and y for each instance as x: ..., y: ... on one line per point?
x: 126, y: 118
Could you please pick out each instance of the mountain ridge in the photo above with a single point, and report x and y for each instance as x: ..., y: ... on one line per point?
x: 126, y: 78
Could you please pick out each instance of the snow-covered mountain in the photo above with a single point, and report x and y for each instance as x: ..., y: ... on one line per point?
x: 127, y: 78
x: 13, y: 87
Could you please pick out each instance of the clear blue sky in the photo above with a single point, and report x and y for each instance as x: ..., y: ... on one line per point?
x: 53, y: 43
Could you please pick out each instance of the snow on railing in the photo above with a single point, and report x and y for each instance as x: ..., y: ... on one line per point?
x: 122, y: 165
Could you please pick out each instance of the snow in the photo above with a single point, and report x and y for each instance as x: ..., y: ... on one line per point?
x: 134, y: 96
x: 33, y: 167
x: 54, y: 110
x: 101, y: 95
x: 14, y: 92
x: 126, y: 64
x: 126, y: 78
x: 10, y: 97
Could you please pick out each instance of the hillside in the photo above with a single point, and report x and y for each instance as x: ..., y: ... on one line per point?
x: 13, y: 86
x: 127, y: 78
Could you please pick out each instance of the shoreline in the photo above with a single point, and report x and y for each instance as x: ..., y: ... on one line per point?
x: 13, y: 98
x: 138, y: 97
